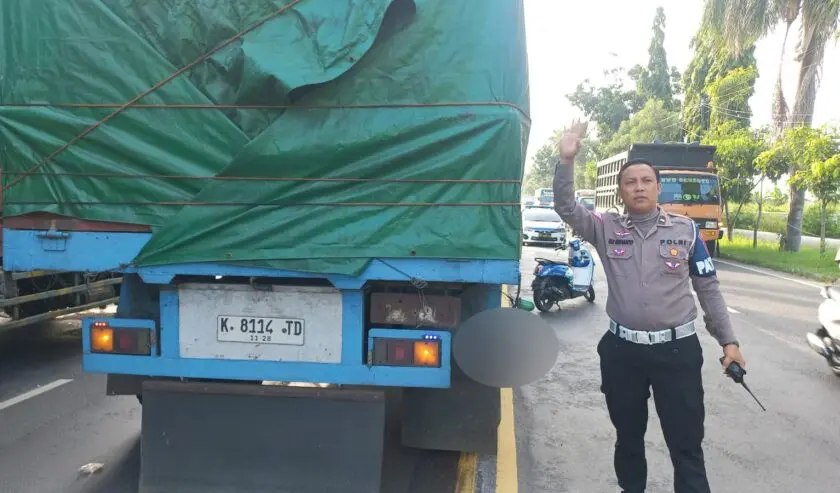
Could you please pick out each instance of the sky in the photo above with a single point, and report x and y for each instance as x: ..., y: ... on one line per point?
x: 569, y: 41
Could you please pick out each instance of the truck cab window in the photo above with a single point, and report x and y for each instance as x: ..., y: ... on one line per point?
x: 687, y: 189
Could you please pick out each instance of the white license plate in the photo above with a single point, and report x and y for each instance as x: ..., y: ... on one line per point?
x: 260, y: 330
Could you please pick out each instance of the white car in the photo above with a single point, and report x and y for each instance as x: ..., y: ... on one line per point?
x: 542, y: 225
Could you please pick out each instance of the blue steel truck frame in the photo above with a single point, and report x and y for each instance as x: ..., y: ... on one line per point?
x: 31, y: 297
x: 417, y: 188
x: 389, y: 293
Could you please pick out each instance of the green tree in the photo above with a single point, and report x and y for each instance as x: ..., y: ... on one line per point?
x: 656, y: 80
x: 729, y: 111
x: 709, y: 65
x: 729, y: 97
x: 735, y: 161
x: 609, y: 105
x: 541, y: 174
x: 777, y: 197
x: 614, y: 103
x: 737, y: 24
x: 821, y: 172
x: 796, y: 149
x: 585, y: 174
x: 769, y: 166
x: 653, y: 121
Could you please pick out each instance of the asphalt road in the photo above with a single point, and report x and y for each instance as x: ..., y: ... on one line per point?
x: 565, y: 439
x: 54, y: 419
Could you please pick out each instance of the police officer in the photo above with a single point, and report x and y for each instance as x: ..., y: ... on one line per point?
x: 651, y: 259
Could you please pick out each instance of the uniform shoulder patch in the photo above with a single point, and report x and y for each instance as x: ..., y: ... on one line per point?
x: 701, y: 264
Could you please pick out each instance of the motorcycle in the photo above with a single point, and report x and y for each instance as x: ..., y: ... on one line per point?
x: 555, y: 281
x: 825, y: 341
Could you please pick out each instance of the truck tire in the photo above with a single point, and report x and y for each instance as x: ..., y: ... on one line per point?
x: 712, y: 246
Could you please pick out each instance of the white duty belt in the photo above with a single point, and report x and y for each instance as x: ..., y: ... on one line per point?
x: 652, y: 337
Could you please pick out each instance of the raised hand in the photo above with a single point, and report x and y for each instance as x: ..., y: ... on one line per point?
x: 569, y: 144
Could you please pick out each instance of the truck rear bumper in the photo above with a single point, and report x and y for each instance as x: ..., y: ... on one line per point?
x: 162, y: 363
x: 256, y: 370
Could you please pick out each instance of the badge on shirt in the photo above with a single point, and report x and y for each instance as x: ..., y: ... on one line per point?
x: 623, y: 234
x: 672, y: 267
x: 619, y: 252
x: 674, y: 252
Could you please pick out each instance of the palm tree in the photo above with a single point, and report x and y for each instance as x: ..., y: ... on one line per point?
x: 738, y: 24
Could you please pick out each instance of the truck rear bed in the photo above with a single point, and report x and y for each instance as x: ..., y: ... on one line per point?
x: 287, y: 147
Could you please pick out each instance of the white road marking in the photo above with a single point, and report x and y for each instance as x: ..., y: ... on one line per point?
x: 801, y: 347
x: 34, y: 392
x: 771, y: 274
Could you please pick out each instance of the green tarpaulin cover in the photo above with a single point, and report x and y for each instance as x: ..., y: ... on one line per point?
x: 406, y: 137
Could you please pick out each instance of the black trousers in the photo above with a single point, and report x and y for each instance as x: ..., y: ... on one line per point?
x: 672, y: 369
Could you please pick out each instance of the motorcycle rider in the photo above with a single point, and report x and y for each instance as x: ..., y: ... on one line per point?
x: 651, y: 259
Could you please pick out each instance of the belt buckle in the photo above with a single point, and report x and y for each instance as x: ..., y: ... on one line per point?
x: 642, y: 337
x: 658, y: 337
x: 635, y: 337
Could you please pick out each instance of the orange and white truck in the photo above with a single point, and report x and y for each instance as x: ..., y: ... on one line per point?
x: 690, y: 185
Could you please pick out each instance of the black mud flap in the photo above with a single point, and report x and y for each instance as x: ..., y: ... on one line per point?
x: 214, y: 438
x: 462, y: 418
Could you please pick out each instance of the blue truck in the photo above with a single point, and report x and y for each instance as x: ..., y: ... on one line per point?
x: 300, y: 191
x: 31, y: 297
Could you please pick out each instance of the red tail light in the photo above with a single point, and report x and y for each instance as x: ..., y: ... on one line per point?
x: 107, y: 339
x: 406, y: 352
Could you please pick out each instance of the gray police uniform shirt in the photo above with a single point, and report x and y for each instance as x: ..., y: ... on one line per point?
x: 648, y: 274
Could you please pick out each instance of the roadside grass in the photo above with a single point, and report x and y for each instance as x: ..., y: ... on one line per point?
x: 807, y: 262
